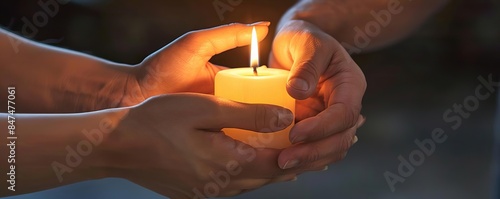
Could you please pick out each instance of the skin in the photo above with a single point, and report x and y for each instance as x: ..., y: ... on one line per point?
x: 65, y: 81
x: 184, y: 129
x: 159, y: 144
x: 325, y: 80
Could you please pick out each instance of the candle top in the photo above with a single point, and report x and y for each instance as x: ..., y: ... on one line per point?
x: 247, y: 72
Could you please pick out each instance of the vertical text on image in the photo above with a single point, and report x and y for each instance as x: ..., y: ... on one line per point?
x: 11, y: 138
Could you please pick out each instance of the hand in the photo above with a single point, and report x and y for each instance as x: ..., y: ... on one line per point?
x: 329, y: 87
x: 173, y: 144
x: 183, y: 65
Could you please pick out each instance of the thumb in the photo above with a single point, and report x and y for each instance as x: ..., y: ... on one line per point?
x: 255, y: 117
x: 209, y: 42
x: 307, y: 51
x: 310, y: 62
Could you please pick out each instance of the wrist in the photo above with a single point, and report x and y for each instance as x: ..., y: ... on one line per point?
x: 133, y: 92
x: 94, y: 85
x: 106, y: 161
x: 329, y: 16
x: 114, y: 91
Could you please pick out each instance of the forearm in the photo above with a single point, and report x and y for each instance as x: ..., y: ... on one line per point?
x: 50, y: 80
x: 49, y: 151
x: 382, y: 21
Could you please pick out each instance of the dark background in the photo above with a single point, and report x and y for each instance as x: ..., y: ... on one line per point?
x: 410, y: 85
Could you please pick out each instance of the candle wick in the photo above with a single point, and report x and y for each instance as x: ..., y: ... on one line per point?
x: 255, y: 71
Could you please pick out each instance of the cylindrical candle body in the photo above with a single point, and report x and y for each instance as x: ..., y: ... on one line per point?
x: 268, y: 87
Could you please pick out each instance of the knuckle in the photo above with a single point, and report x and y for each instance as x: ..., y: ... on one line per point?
x: 188, y: 37
x: 261, y: 116
x: 364, y: 84
x: 304, y: 38
x: 191, y: 35
x: 314, y: 39
x: 324, y: 131
x: 345, y: 144
x: 311, y: 68
x: 314, y: 154
x: 191, y: 42
x: 340, y: 151
x: 214, y: 108
x: 195, y: 42
x: 308, y: 68
x: 197, y: 107
x: 351, y: 114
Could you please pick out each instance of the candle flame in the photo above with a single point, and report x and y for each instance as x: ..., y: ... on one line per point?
x: 254, y: 53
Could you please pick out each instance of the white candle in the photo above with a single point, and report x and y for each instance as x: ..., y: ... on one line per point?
x: 268, y: 86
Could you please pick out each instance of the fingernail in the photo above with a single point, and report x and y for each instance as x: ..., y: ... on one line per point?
x: 298, y: 139
x: 299, y: 84
x: 294, y: 179
x: 326, y: 168
x: 355, y: 139
x: 290, y: 164
x: 261, y: 23
x: 285, y: 118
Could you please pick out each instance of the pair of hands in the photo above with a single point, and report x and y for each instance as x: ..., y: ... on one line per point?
x: 179, y: 135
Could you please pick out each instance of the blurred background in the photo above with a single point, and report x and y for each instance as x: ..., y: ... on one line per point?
x: 410, y: 86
